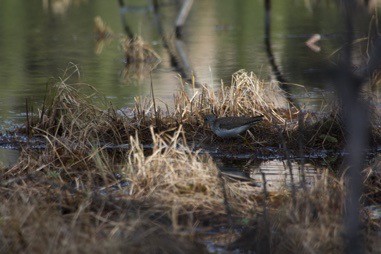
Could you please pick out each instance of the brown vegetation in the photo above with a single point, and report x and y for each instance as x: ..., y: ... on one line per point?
x: 96, y: 187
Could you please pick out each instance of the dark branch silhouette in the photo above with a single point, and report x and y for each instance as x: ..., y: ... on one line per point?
x: 356, y: 118
x: 267, y: 40
x: 178, y: 56
x: 127, y: 29
x: 181, y: 18
x: 270, y: 55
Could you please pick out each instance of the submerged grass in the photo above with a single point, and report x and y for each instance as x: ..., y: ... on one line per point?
x: 86, y: 192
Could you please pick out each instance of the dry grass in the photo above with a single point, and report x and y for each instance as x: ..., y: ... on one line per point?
x: 79, y: 195
x: 38, y: 218
x: 137, y: 50
x: 139, y: 56
x: 246, y: 95
x: 76, y: 200
x: 372, y: 183
x: 177, y: 178
x: 103, y: 34
x: 80, y: 114
x: 102, y: 31
x: 313, y: 225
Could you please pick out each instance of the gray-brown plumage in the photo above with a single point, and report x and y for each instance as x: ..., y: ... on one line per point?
x: 231, y: 126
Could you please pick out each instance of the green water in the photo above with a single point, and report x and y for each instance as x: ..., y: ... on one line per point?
x: 40, y: 37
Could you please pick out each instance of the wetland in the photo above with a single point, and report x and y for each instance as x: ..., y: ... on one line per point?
x: 104, y: 147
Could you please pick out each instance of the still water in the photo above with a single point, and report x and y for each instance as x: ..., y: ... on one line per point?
x: 40, y: 37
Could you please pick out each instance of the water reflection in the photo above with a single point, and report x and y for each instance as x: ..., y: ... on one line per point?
x: 59, y: 7
x: 220, y: 37
x: 277, y: 173
x: 8, y: 157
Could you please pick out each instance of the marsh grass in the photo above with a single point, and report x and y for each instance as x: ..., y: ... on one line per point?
x: 37, y: 217
x: 75, y: 200
x: 175, y: 176
x: 101, y: 29
x: 137, y: 50
x: 81, y: 193
x: 79, y: 110
x: 313, y: 225
x: 103, y: 34
x: 139, y: 56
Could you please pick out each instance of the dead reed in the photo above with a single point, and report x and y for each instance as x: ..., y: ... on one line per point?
x: 39, y: 216
x: 137, y: 50
x: 79, y: 113
x: 313, y: 225
x: 81, y: 193
x: 178, y: 178
x: 139, y: 56
x: 102, y: 31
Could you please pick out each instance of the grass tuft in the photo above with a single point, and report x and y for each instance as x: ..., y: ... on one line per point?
x: 109, y: 180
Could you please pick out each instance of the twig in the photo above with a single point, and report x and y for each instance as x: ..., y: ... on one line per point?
x: 27, y: 118
x: 266, y: 216
x: 154, y: 103
x: 176, y: 59
x: 269, y: 52
x: 301, y: 142
x: 226, y: 203
x: 289, y: 165
x: 127, y: 29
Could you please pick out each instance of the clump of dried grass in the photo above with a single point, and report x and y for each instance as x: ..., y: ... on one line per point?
x: 103, y: 34
x: 170, y: 180
x: 313, y: 225
x: 177, y: 177
x: 38, y: 218
x: 372, y: 183
x: 70, y: 108
x: 137, y: 70
x: 316, y: 221
x: 137, y: 50
x: 61, y: 184
x: 70, y: 123
x: 246, y: 95
x: 102, y: 30
x: 140, y: 57
x: 70, y: 112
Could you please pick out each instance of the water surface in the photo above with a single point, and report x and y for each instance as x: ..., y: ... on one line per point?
x: 39, y: 39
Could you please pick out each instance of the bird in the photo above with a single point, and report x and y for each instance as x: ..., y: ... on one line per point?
x: 226, y: 127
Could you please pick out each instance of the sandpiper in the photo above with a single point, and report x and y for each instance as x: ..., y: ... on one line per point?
x: 225, y: 127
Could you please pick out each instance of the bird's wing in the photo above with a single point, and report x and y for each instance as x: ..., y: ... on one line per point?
x: 234, y: 122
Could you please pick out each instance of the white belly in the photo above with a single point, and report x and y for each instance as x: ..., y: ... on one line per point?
x: 224, y: 133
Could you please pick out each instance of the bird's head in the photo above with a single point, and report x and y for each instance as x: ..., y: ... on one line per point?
x: 209, y: 118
